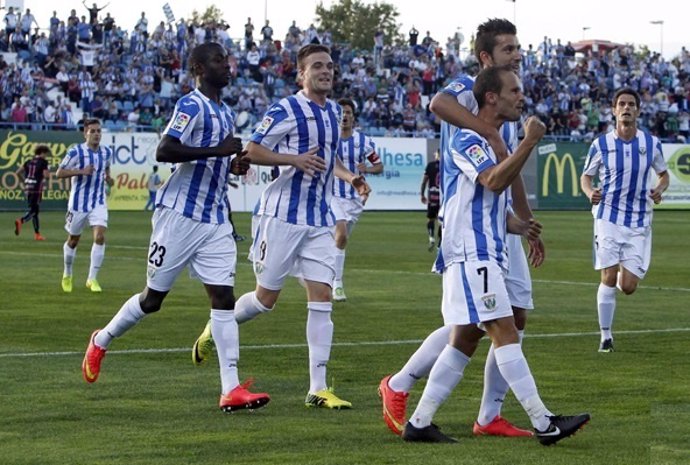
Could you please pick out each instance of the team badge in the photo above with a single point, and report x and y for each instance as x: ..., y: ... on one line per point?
x: 477, y: 155
x: 181, y: 121
x: 489, y: 302
x: 151, y: 272
x: 643, y: 151
x: 265, y: 124
x: 258, y: 268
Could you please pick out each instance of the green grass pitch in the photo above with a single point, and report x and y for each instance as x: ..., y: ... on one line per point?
x: 152, y: 406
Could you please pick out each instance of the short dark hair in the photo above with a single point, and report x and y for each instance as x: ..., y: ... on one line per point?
x: 485, y: 40
x: 348, y: 102
x: 489, y: 80
x: 41, y: 149
x: 310, y: 49
x: 89, y: 122
x: 626, y: 91
x: 200, y: 54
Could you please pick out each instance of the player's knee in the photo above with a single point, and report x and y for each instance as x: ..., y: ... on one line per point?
x: 73, y: 242
x: 628, y: 288
x: 150, y: 304
x: 99, y: 239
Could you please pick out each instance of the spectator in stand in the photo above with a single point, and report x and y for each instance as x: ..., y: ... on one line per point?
x: 26, y: 22
x: 248, y: 34
x: 11, y: 20
x: 267, y: 32
x: 414, y: 34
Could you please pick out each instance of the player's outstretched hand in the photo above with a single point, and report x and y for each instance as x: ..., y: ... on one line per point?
x: 595, y: 198
x: 362, y: 187
x: 309, y: 162
x: 240, y: 164
x: 230, y: 146
x: 534, y: 129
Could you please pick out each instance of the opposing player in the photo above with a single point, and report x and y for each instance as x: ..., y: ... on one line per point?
x: 33, y: 172
x: 88, y: 165
x: 432, y: 199
x: 294, y: 235
x: 622, y: 205
x: 190, y: 224
x: 473, y: 260
x: 496, y: 44
x: 354, y: 150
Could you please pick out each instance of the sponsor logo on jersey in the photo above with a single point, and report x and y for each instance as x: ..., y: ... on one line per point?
x: 181, y: 121
x: 477, y: 154
x: 456, y: 87
x: 265, y: 124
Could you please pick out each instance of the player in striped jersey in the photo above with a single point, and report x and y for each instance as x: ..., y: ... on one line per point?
x: 354, y: 150
x: 190, y: 224
x: 33, y: 173
x: 622, y: 205
x: 295, y: 231
x: 88, y: 166
x: 473, y: 259
x: 496, y: 44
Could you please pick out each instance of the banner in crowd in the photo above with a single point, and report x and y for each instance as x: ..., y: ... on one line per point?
x: 16, y: 147
x: 560, y: 164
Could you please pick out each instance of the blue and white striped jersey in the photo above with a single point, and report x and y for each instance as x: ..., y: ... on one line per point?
x: 474, y: 222
x: 293, y: 126
x: 624, y: 172
x: 87, y: 191
x: 197, y: 189
x: 352, y: 151
x: 461, y: 89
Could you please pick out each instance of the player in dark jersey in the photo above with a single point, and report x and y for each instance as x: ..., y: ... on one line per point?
x: 432, y: 198
x: 33, y: 172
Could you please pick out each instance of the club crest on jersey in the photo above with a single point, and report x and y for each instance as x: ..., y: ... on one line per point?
x: 489, y: 302
x: 151, y: 272
x: 457, y: 87
x: 181, y: 121
x: 265, y: 124
x: 643, y: 151
x: 477, y: 154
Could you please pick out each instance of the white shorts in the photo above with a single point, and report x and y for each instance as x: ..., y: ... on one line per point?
x: 346, y: 209
x: 176, y: 242
x: 281, y: 249
x: 615, y: 244
x: 518, y: 280
x: 474, y: 292
x: 75, y: 221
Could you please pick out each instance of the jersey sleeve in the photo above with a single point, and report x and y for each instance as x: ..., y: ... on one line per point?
x: 593, y: 160
x: 470, y: 154
x: 658, y: 162
x: 370, y: 151
x: 276, y: 124
x: 461, y: 89
x: 183, y: 119
x: 71, y: 159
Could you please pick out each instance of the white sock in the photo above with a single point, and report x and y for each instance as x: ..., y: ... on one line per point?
x: 97, y: 254
x: 339, y: 264
x: 606, y: 307
x: 419, y: 365
x: 248, y: 307
x: 445, y: 375
x: 226, y: 336
x: 319, y: 339
x: 128, y: 316
x: 514, y: 369
x: 68, y: 253
x: 495, y: 388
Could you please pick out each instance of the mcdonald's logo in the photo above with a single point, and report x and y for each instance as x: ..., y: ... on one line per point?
x: 561, y: 163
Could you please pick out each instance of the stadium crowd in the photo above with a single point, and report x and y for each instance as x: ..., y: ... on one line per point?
x: 131, y: 78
